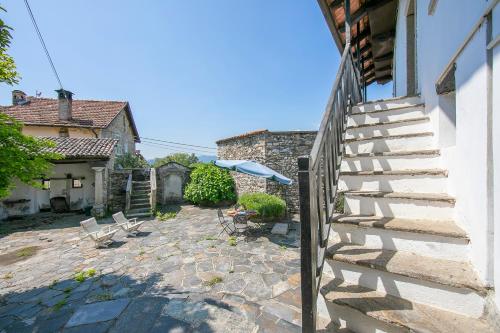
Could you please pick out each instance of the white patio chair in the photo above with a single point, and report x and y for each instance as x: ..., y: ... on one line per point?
x: 130, y: 226
x: 100, y: 235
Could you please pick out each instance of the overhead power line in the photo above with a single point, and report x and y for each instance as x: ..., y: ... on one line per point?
x: 178, y: 143
x: 43, y: 43
x: 177, y: 149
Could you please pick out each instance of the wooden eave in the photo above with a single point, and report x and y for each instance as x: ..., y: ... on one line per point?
x: 377, y: 23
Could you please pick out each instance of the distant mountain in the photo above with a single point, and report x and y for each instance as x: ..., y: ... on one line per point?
x: 207, y: 158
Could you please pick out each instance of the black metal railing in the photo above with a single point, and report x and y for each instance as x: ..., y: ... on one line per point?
x: 318, y: 179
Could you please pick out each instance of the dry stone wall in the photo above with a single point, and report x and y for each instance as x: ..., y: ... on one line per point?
x: 116, y: 189
x: 278, y: 151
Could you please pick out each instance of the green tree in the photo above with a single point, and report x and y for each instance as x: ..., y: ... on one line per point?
x: 8, y: 72
x: 21, y: 157
x: 181, y: 158
x: 131, y: 161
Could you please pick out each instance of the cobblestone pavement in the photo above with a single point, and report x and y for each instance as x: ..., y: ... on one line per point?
x: 176, y: 276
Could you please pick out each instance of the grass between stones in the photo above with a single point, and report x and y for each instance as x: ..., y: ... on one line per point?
x: 213, y: 281
x: 232, y: 241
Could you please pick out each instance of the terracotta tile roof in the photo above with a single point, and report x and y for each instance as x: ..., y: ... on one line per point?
x: 244, y: 135
x: 83, y: 148
x: 86, y: 113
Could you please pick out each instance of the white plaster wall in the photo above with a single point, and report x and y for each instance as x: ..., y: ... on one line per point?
x: 79, y: 197
x: 471, y: 149
x: 496, y: 153
x: 458, y: 121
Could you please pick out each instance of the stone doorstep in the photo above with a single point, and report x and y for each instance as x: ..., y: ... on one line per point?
x: 440, y: 271
x: 445, y: 228
x: 390, y: 137
x: 397, y: 311
x: 404, y: 196
x: 425, y: 152
x: 412, y: 106
x: 394, y: 122
x: 280, y: 229
x: 406, y: 172
x: 98, y: 312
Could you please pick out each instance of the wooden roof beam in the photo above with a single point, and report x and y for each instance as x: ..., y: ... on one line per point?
x: 362, y: 35
x: 363, y: 10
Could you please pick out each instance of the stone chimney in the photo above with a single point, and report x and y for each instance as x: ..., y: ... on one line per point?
x: 18, y: 97
x: 65, y: 99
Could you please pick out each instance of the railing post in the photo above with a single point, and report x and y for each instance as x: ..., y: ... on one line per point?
x: 307, y: 245
x: 152, y: 182
x: 128, y: 192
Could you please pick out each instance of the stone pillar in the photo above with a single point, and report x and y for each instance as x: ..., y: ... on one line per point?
x: 98, y: 209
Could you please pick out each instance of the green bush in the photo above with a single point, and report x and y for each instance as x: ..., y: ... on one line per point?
x: 266, y: 205
x: 209, y: 185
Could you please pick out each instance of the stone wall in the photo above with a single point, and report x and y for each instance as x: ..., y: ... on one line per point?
x: 116, y: 189
x: 252, y: 147
x: 278, y: 151
x: 282, y: 152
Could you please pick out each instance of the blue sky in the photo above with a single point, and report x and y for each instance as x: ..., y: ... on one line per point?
x: 193, y: 71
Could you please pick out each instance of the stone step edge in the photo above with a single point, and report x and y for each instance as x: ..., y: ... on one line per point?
x: 402, y: 195
x: 412, y: 106
x: 406, y: 172
x: 390, y: 137
x: 390, y: 99
x: 387, y: 313
x: 426, y: 152
x: 394, y: 122
x: 426, y: 227
x: 404, y: 268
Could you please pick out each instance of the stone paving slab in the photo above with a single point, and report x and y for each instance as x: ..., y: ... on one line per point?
x: 174, y: 276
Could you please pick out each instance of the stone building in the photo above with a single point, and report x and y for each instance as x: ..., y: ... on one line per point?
x: 277, y: 150
x: 89, y: 134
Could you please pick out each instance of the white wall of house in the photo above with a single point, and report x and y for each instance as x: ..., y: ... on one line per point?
x: 460, y: 121
x: 496, y: 150
x: 25, y: 200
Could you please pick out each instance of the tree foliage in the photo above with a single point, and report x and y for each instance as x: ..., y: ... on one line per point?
x: 23, y: 157
x: 8, y: 72
x: 209, y: 185
x: 181, y: 158
x: 131, y: 161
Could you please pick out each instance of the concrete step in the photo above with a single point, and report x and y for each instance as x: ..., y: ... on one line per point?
x: 390, y: 103
x: 399, y: 160
x: 139, y: 200
x: 138, y: 205
x: 139, y: 212
x: 427, y: 206
x: 386, y: 143
x: 374, y: 117
x: 446, y: 284
x: 398, y: 127
x: 366, y: 311
x: 435, y: 239
x: 411, y: 181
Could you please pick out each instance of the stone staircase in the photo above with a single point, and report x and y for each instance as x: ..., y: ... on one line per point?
x: 396, y: 261
x: 140, y: 203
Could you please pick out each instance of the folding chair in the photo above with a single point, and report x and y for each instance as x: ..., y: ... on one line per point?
x: 226, y: 225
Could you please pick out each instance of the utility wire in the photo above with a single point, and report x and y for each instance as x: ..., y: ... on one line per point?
x: 43, y: 43
x: 177, y: 147
x: 178, y: 143
x: 156, y: 145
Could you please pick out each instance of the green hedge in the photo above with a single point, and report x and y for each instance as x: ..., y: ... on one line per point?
x: 266, y: 205
x: 209, y: 185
